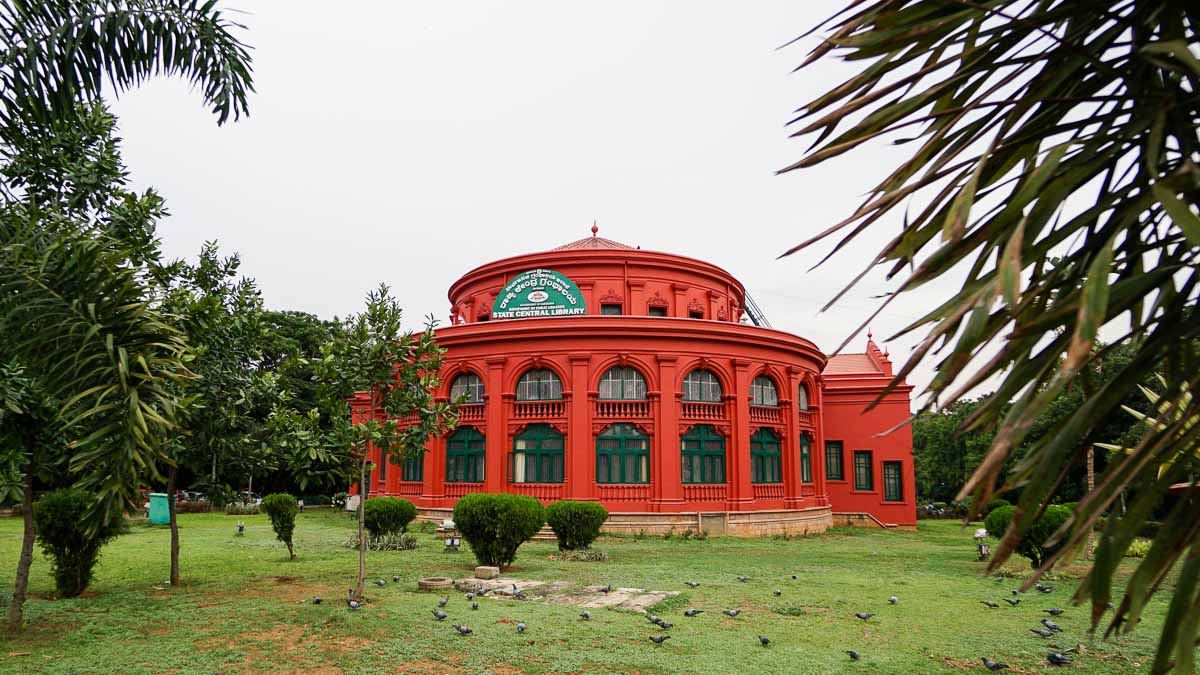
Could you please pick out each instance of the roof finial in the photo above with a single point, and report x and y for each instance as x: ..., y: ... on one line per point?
x: 594, y: 228
x: 869, y: 335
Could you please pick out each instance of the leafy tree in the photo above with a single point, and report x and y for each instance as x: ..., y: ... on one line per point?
x: 398, y: 371
x: 281, y: 508
x: 1055, y: 180
x: 75, y: 306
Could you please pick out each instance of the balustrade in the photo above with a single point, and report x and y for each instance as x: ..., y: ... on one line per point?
x: 702, y: 410
x: 546, y: 492
x: 622, y: 493
x: 525, y: 410
x: 806, y: 418
x: 411, y: 487
x: 460, y: 489
x: 768, y: 490
x: 762, y: 414
x: 470, y: 412
x: 704, y: 493
x: 609, y: 409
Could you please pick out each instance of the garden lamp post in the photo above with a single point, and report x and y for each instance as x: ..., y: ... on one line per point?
x: 981, y: 544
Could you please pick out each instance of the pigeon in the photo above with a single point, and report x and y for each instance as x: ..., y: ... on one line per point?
x: 1051, y: 625
x: 743, y: 579
x: 606, y: 589
x: 732, y: 613
x: 793, y: 577
x: 764, y: 640
x: 693, y: 584
x: 653, y: 618
x: 1053, y: 611
x: 474, y: 605
x: 396, y: 578
x: 863, y: 615
x: 1057, y: 659
x: 778, y: 592
x: 439, y: 614
x: 989, y: 603
x: 1042, y: 631
x: 470, y: 596
x: 893, y: 600
x: 482, y: 592
x: 352, y: 603
x: 1013, y: 601
x: 665, y: 625
x: 693, y: 612
x: 585, y: 615
x: 659, y: 639
x: 443, y: 601
x: 1045, y: 589
x: 380, y: 583
x: 1039, y: 586
x: 462, y: 630
x: 316, y: 600
x: 520, y: 626
x: 854, y: 656
x: 992, y: 665
x: 1015, y: 591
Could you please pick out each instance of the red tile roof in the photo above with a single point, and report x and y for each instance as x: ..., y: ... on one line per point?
x: 593, y: 242
x: 851, y: 364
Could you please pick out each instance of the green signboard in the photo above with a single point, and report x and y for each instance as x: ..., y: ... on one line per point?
x: 538, y: 293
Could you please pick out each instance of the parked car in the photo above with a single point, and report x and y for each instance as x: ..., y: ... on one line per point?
x: 247, y: 497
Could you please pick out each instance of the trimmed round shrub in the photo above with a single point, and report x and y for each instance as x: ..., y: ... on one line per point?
x: 281, y: 508
x: 997, y: 521
x: 576, y: 524
x: 387, y: 515
x: 64, y: 534
x: 495, y: 525
x: 993, y: 505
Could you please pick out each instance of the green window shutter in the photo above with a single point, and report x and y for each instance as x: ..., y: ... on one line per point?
x: 413, y: 469
x: 465, y: 456
x: 864, y: 476
x: 383, y: 465
x: 834, y: 468
x: 622, y: 455
x: 893, y: 482
x: 703, y: 455
x: 537, y: 456
x: 805, y: 459
x: 765, y: 457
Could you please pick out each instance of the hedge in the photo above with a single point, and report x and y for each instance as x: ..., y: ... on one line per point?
x: 495, y: 525
x: 387, y: 515
x: 281, y: 508
x: 1032, y: 544
x: 62, y: 523
x: 576, y: 524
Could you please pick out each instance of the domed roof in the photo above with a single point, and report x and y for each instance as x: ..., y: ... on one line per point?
x: 593, y: 242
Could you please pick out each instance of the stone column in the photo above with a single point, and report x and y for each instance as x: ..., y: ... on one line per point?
x: 737, y: 449
x: 679, y: 307
x: 496, y: 437
x: 635, y: 304
x: 580, y: 462
x: 668, y: 487
x: 791, y: 451
x: 816, y: 404
x: 433, y: 485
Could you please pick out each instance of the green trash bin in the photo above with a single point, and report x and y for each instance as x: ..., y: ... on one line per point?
x: 160, y: 513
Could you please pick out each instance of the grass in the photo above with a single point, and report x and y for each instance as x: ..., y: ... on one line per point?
x: 242, y: 607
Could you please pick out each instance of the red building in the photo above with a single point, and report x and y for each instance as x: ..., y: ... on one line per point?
x: 639, y: 379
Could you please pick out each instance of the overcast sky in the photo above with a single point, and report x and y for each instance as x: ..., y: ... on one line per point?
x: 410, y: 142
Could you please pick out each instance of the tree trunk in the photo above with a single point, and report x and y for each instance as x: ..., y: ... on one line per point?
x: 362, y: 539
x: 25, y: 561
x: 174, y: 525
x: 1091, y: 487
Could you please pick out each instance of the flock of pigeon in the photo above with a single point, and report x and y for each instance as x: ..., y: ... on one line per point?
x: 1049, y: 629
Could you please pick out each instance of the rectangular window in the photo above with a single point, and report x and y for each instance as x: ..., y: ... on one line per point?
x: 383, y: 462
x: 413, y: 470
x: 695, y: 315
x: 611, y: 310
x: 893, y: 482
x: 658, y: 311
x: 834, y: 469
x: 864, y: 477
x: 805, y: 461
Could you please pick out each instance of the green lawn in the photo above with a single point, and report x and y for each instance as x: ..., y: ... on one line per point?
x: 242, y: 608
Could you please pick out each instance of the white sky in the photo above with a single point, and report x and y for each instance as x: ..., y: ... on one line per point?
x: 410, y: 142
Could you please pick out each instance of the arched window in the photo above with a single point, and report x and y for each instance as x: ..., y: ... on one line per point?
x: 623, y: 383
x: 703, y: 451
x: 802, y: 398
x: 465, y: 452
x: 764, y: 457
x: 622, y: 455
x: 537, y: 456
x: 539, y: 384
x: 762, y: 392
x: 701, y: 385
x: 469, y: 385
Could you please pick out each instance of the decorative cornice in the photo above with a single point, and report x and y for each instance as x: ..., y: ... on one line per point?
x: 658, y: 301
x: 612, y: 298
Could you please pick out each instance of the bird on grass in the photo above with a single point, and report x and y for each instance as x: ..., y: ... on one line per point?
x: 659, y: 639
x: 606, y: 589
x: 665, y: 625
x: 352, y: 603
x: 989, y: 603
x: 316, y: 600
x: 743, y: 578
x: 692, y: 612
x: 1044, y: 589
x: 793, y: 577
x: 1057, y: 659
x: 1053, y: 611
x: 653, y: 618
x: 764, y: 640
x: 692, y: 584
x: 1051, y: 625
x: 1042, y: 631
x: 439, y: 614
x: 474, y: 605
x: 863, y: 615
x: 482, y: 592
x: 992, y: 665
x: 1015, y: 591
x: 585, y: 615
x: 516, y: 592
x: 732, y: 613
x: 395, y: 577
x: 520, y: 626
x: 470, y: 596
x: 1013, y: 601
x: 893, y: 600
x: 1039, y: 586
x: 462, y: 630
x: 778, y: 592
x: 443, y: 601
x: 854, y: 656
x: 380, y: 583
